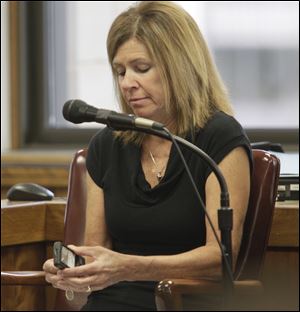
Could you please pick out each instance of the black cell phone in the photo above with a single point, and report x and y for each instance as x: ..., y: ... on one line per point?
x: 64, y: 257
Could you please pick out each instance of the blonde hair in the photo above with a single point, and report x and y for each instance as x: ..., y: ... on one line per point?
x: 192, y: 86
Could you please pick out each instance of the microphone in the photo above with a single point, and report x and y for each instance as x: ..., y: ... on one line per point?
x: 77, y: 111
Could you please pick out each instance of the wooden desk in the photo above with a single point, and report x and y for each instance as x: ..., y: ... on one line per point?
x: 285, y: 226
x: 281, y: 268
x: 40, y: 221
x: 31, y: 221
x: 28, y: 230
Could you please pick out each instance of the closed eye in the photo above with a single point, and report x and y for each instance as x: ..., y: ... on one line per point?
x: 137, y: 69
x: 142, y: 69
x: 122, y: 73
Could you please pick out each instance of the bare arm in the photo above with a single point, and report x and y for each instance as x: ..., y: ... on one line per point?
x: 95, y: 227
x: 95, y: 231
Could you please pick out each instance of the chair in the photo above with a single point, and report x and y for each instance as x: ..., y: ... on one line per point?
x: 169, y: 293
x: 257, y: 227
x: 74, y: 226
x: 267, y: 146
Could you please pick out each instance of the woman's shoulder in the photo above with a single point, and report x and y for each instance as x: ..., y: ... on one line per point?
x: 221, y: 129
x: 221, y: 122
x: 103, y: 136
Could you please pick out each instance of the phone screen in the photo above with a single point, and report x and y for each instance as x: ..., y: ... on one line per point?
x: 67, y: 257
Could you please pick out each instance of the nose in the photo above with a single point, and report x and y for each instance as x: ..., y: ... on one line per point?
x: 128, y: 81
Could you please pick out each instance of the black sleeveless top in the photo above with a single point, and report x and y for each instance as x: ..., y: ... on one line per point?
x: 164, y: 220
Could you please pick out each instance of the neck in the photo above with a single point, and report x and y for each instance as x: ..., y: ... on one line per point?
x: 159, y: 147
x: 156, y: 145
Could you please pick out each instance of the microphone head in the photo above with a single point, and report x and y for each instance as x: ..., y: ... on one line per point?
x: 78, y: 111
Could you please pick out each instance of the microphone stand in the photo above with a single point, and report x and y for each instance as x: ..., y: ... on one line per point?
x: 225, y: 217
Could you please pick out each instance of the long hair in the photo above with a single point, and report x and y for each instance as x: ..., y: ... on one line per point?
x: 192, y: 86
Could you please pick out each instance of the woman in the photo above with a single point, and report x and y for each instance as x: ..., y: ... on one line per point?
x: 144, y: 222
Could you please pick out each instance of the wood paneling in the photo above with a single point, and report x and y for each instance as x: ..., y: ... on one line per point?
x: 28, y: 230
x: 22, y: 257
x: 32, y: 222
x: 281, y: 268
x: 47, y: 168
x: 26, y: 247
x: 28, y: 227
x: 281, y: 279
x: 285, y: 226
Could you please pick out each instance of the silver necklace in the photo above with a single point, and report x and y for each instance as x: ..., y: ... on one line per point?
x: 158, y: 173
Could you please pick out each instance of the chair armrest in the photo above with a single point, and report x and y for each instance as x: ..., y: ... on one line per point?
x: 168, y: 292
x: 23, y: 278
x: 248, y: 288
x: 185, y: 286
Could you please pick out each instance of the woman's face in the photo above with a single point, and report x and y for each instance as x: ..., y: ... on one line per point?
x: 139, y: 80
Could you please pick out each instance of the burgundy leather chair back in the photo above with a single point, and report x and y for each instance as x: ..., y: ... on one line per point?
x: 259, y: 216
x: 74, y: 222
x: 76, y: 201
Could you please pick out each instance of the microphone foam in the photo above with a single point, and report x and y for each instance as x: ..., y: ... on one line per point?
x: 72, y: 111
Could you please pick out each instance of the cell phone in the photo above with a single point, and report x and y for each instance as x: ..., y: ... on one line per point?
x: 64, y: 257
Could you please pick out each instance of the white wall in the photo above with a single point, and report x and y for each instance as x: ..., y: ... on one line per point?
x: 5, y: 81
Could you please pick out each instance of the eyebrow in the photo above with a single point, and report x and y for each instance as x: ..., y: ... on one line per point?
x: 139, y: 59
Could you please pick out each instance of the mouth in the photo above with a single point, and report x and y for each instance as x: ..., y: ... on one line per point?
x: 137, y: 100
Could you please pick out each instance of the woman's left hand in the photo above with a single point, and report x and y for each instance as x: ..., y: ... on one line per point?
x: 106, y: 268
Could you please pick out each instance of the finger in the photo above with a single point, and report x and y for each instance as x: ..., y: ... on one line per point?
x: 75, y: 288
x: 91, y: 251
x: 52, y: 278
x: 79, y: 271
x: 79, y: 281
x: 63, y: 285
x: 76, y: 284
x: 49, y: 267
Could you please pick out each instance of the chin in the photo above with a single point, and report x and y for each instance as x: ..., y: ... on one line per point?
x: 142, y: 113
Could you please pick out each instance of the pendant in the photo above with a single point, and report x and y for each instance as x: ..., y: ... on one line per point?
x: 159, y: 176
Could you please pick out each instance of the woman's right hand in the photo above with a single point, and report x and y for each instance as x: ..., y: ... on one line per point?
x: 51, y: 273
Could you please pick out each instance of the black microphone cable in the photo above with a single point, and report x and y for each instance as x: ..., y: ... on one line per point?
x: 228, y: 266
